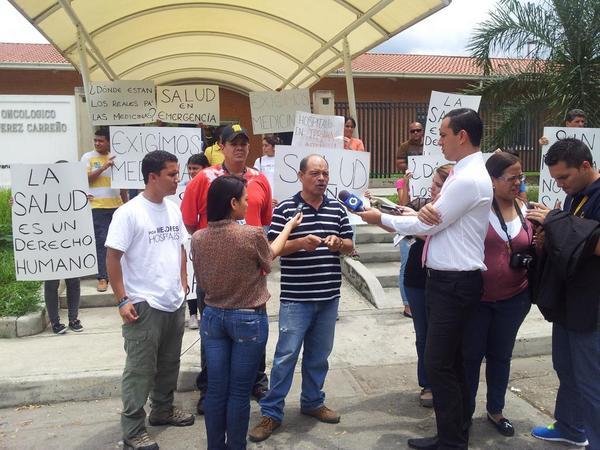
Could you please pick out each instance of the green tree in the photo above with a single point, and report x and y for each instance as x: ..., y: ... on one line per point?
x: 561, y: 39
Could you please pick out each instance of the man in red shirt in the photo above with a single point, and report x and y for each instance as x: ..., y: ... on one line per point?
x: 236, y: 146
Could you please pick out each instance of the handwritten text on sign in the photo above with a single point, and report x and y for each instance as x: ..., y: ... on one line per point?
x: 275, y: 112
x: 549, y: 192
x: 129, y: 145
x: 197, y: 103
x: 314, y: 130
x: 439, y: 105
x: 121, y: 102
x: 53, y: 234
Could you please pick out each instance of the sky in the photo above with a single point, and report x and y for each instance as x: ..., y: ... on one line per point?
x: 453, y: 26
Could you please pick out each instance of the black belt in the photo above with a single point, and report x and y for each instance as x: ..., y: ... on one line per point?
x: 451, y: 274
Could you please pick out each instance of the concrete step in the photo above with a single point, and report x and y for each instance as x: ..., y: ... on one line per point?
x: 369, y: 234
x: 386, y: 272
x: 90, y: 297
x: 393, y: 297
x: 378, y: 252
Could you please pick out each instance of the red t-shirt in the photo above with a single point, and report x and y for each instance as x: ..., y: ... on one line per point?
x: 193, y: 205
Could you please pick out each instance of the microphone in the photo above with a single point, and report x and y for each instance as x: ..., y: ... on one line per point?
x: 299, y: 209
x: 351, y: 201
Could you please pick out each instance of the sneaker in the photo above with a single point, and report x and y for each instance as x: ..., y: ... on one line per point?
x: 102, y: 285
x: 550, y: 433
x: 140, y: 442
x: 193, y: 322
x: 264, y: 429
x: 175, y: 417
x: 59, y: 328
x: 426, y: 398
x: 76, y: 326
x: 323, y: 414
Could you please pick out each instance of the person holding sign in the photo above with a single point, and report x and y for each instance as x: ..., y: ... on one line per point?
x: 351, y: 143
x: 568, y: 293
x: 232, y: 262
x: 105, y: 200
x: 147, y: 265
x: 454, y: 258
x: 412, y: 147
x: 574, y: 119
x: 266, y: 163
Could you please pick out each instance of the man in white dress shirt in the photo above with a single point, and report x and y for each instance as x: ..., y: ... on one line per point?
x: 456, y: 226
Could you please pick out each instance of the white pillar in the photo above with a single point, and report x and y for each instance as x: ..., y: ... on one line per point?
x: 84, y: 69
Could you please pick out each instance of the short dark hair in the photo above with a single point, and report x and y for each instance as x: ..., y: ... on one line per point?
x: 351, y: 119
x: 499, y: 162
x: 570, y: 150
x: 156, y: 161
x: 271, y: 139
x: 103, y: 131
x: 220, y: 193
x: 198, y: 158
x: 571, y: 115
x: 468, y: 120
x: 304, y: 161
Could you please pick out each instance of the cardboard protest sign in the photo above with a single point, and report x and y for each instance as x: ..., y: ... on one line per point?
x: 129, y: 145
x: 53, y: 234
x: 121, y: 102
x: 314, y: 130
x: 549, y: 192
x: 275, y: 112
x: 191, y: 276
x: 194, y: 103
x: 422, y: 169
x: 440, y: 104
x: 348, y: 171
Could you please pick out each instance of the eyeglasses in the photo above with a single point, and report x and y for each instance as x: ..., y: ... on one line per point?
x: 520, y: 178
x: 415, y: 131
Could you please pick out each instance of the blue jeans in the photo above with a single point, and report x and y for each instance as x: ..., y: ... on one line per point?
x: 234, y: 342
x: 311, y: 323
x: 491, y: 332
x: 576, y: 359
x: 404, y: 246
x: 416, y: 300
x: 101, y: 218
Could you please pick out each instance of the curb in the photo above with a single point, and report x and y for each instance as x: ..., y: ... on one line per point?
x: 365, y: 282
x: 27, y: 325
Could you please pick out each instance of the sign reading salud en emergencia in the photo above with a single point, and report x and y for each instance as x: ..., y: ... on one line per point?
x: 275, y: 112
x: 53, y: 234
x: 194, y: 104
x: 440, y: 104
x: 122, y: 102
x: 549, y: 193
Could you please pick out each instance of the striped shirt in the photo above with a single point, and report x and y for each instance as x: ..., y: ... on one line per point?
x: 311, y: 276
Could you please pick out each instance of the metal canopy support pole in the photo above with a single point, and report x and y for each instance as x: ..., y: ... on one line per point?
x: 85, y: 70
x: 350, y: 84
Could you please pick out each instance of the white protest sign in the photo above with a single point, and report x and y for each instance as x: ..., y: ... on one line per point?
x: 53, y: 234
x: 36, y: 129
x: 549, y: 192
x: 348, y: 170
x: 194, y: 103
x: 191, y: 276
x: 440, y: 104
x: 423, y: 168
x: 314, y: 130
x: 275, y: 112
x: 129, y: 145
x: 121, y: 102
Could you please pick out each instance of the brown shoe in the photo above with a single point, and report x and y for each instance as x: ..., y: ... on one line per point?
x: 140, y: 442
x: 175, y: 417
x: 264, y: 429
x: 102, y: 285
x: 322, y: 413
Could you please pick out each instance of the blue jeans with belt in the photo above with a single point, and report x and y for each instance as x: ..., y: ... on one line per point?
x: 234, y: 343
x: 491, y: 332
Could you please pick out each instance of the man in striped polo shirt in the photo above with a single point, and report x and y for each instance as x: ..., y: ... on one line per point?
x: 310, y: 291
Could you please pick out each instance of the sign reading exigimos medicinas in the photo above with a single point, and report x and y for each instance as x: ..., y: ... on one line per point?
x: 275, y: 112
x: 121, y: 102
x: 197, y: 103
x: 440, y: 104
x: 549, y: 193
x: 53, y: 234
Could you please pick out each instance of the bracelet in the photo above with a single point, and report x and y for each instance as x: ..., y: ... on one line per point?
x: 123, y: 302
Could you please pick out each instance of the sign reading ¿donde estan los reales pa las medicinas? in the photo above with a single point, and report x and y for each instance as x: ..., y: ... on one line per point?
x: 122, y: 102
x: 53, y: 234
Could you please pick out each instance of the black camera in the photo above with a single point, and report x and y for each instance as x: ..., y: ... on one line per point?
x: 522, y: 260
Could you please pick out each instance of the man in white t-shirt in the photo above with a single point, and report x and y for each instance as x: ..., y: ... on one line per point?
x: 147, y: 266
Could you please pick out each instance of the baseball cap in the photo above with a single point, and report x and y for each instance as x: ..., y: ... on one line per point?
x: 230, y: 132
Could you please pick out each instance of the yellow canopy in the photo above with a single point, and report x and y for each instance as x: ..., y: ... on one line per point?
x: 246, y: 45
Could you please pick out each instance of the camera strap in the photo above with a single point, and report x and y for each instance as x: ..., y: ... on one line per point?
x: 503, y: 223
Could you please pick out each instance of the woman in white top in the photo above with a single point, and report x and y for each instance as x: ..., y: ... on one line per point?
x: 266, y: 163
